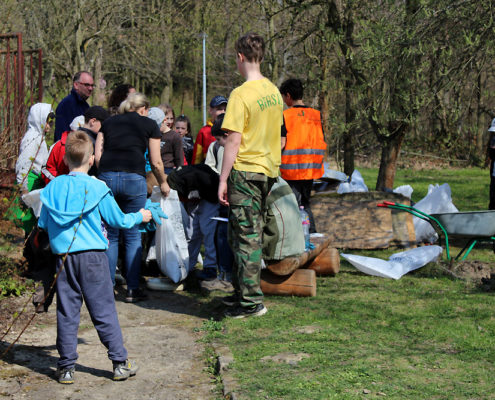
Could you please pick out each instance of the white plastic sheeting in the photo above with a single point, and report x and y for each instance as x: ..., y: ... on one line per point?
x: 398, y: 264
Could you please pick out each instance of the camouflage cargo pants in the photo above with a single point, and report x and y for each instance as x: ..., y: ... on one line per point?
x: 247, y: 193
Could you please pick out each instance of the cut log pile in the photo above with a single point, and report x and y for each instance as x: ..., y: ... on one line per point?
x: 351, y: 221
x: 296, y: 276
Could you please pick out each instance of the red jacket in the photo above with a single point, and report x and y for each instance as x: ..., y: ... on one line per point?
x: 55, y: 164
x: 203, y: 141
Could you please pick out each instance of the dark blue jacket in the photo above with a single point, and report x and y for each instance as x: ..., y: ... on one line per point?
x: 69, y: 108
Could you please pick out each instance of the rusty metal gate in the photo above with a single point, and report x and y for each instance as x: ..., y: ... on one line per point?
x: 21, y: 86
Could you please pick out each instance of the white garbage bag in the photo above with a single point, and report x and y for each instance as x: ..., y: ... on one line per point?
x: 32, y: 200
x: 172, y: 255
x: 437, y: 200
x: 355, y: 185
x: 152, y: 251
x: 398, y: 264
x: 332, y: 174
x: 405, y: 190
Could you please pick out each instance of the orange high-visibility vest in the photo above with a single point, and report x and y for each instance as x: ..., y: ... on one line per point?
x: 302, y: 157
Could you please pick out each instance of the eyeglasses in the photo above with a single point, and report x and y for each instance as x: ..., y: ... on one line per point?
x: 92, y: 85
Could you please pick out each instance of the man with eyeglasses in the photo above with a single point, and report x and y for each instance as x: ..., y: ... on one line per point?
x: 75, y: 103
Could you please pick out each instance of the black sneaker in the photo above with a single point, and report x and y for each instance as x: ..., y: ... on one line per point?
x: 65, y: 376
x: 123, y: 370
x: 231, y: 300
x: 243, y: 312
x: 119, y: 279
x: 135, y: 295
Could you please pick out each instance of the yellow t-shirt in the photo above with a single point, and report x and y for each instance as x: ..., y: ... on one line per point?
x: 255, y: 109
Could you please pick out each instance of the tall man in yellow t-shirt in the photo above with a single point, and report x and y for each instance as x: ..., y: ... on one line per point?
x: 251, y: 160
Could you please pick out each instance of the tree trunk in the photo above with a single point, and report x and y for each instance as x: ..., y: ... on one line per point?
x: 388, y: 163
x: 349, y: 134
x: 99, y: 96
x: 349, y: 152
x: 167, y: 90
x: 397, y: 127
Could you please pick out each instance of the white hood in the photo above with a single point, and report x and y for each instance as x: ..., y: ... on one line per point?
x: 33, y: 145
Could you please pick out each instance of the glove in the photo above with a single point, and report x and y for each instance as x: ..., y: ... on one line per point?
x: 310, y: 246
x: 156, y: 213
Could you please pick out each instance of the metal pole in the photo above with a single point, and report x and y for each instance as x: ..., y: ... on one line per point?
x: 204, y: 78
x: 20, y: 73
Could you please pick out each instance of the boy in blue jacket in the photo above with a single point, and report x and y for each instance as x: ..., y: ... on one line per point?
x: 73, y: 206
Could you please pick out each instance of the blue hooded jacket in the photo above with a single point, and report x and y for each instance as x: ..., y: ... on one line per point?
x: 69, y: 199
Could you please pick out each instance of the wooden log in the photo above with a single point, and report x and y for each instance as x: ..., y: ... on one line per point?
x: 302, y: 282
x: 353, y: 221
x: 290, y: 264
x: 326, y: 263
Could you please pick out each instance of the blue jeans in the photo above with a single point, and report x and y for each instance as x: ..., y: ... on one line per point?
x: 129, y: 190
x: 203, y: 231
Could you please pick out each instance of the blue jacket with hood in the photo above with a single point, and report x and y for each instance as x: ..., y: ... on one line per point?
x: 68, y: 198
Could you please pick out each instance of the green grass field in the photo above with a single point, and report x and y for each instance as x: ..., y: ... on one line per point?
x: 425, y: 336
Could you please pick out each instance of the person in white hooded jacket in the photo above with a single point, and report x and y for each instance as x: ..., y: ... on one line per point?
x: 33, y: 151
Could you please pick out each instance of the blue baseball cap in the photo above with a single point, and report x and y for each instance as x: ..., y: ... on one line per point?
x: 218, y: 100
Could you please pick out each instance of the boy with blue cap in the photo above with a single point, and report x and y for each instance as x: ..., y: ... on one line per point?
x: 218, y: 104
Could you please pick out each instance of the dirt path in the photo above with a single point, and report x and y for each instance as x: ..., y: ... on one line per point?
x: 158, y: 333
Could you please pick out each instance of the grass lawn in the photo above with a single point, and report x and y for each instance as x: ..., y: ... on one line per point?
x: 425, y: 336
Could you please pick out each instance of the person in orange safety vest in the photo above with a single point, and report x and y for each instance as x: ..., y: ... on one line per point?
x: 304, y: 147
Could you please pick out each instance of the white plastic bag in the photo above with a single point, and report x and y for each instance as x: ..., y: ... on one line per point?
x: 398, y: 264
x: 355, y: 185
x: 437, y: 200
x: 152, y: 251
x: 172, y: 255
x: 32, y: 200
x: 332, y: 174
x: 405, y: 190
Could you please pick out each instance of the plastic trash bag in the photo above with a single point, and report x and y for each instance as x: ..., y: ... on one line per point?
x: 32, y: 200
x: 405, y: 190
x: 398, y: 264
x: 332, y: 174
x: 356, y: 184
x: 330, y: 180
x: 152, y: 251
x: 437, y: 200
x: 172, y: 255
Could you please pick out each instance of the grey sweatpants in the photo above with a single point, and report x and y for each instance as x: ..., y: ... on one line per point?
x: 86, y: 275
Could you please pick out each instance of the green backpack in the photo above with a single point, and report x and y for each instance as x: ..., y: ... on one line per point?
x: 283, y: 235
